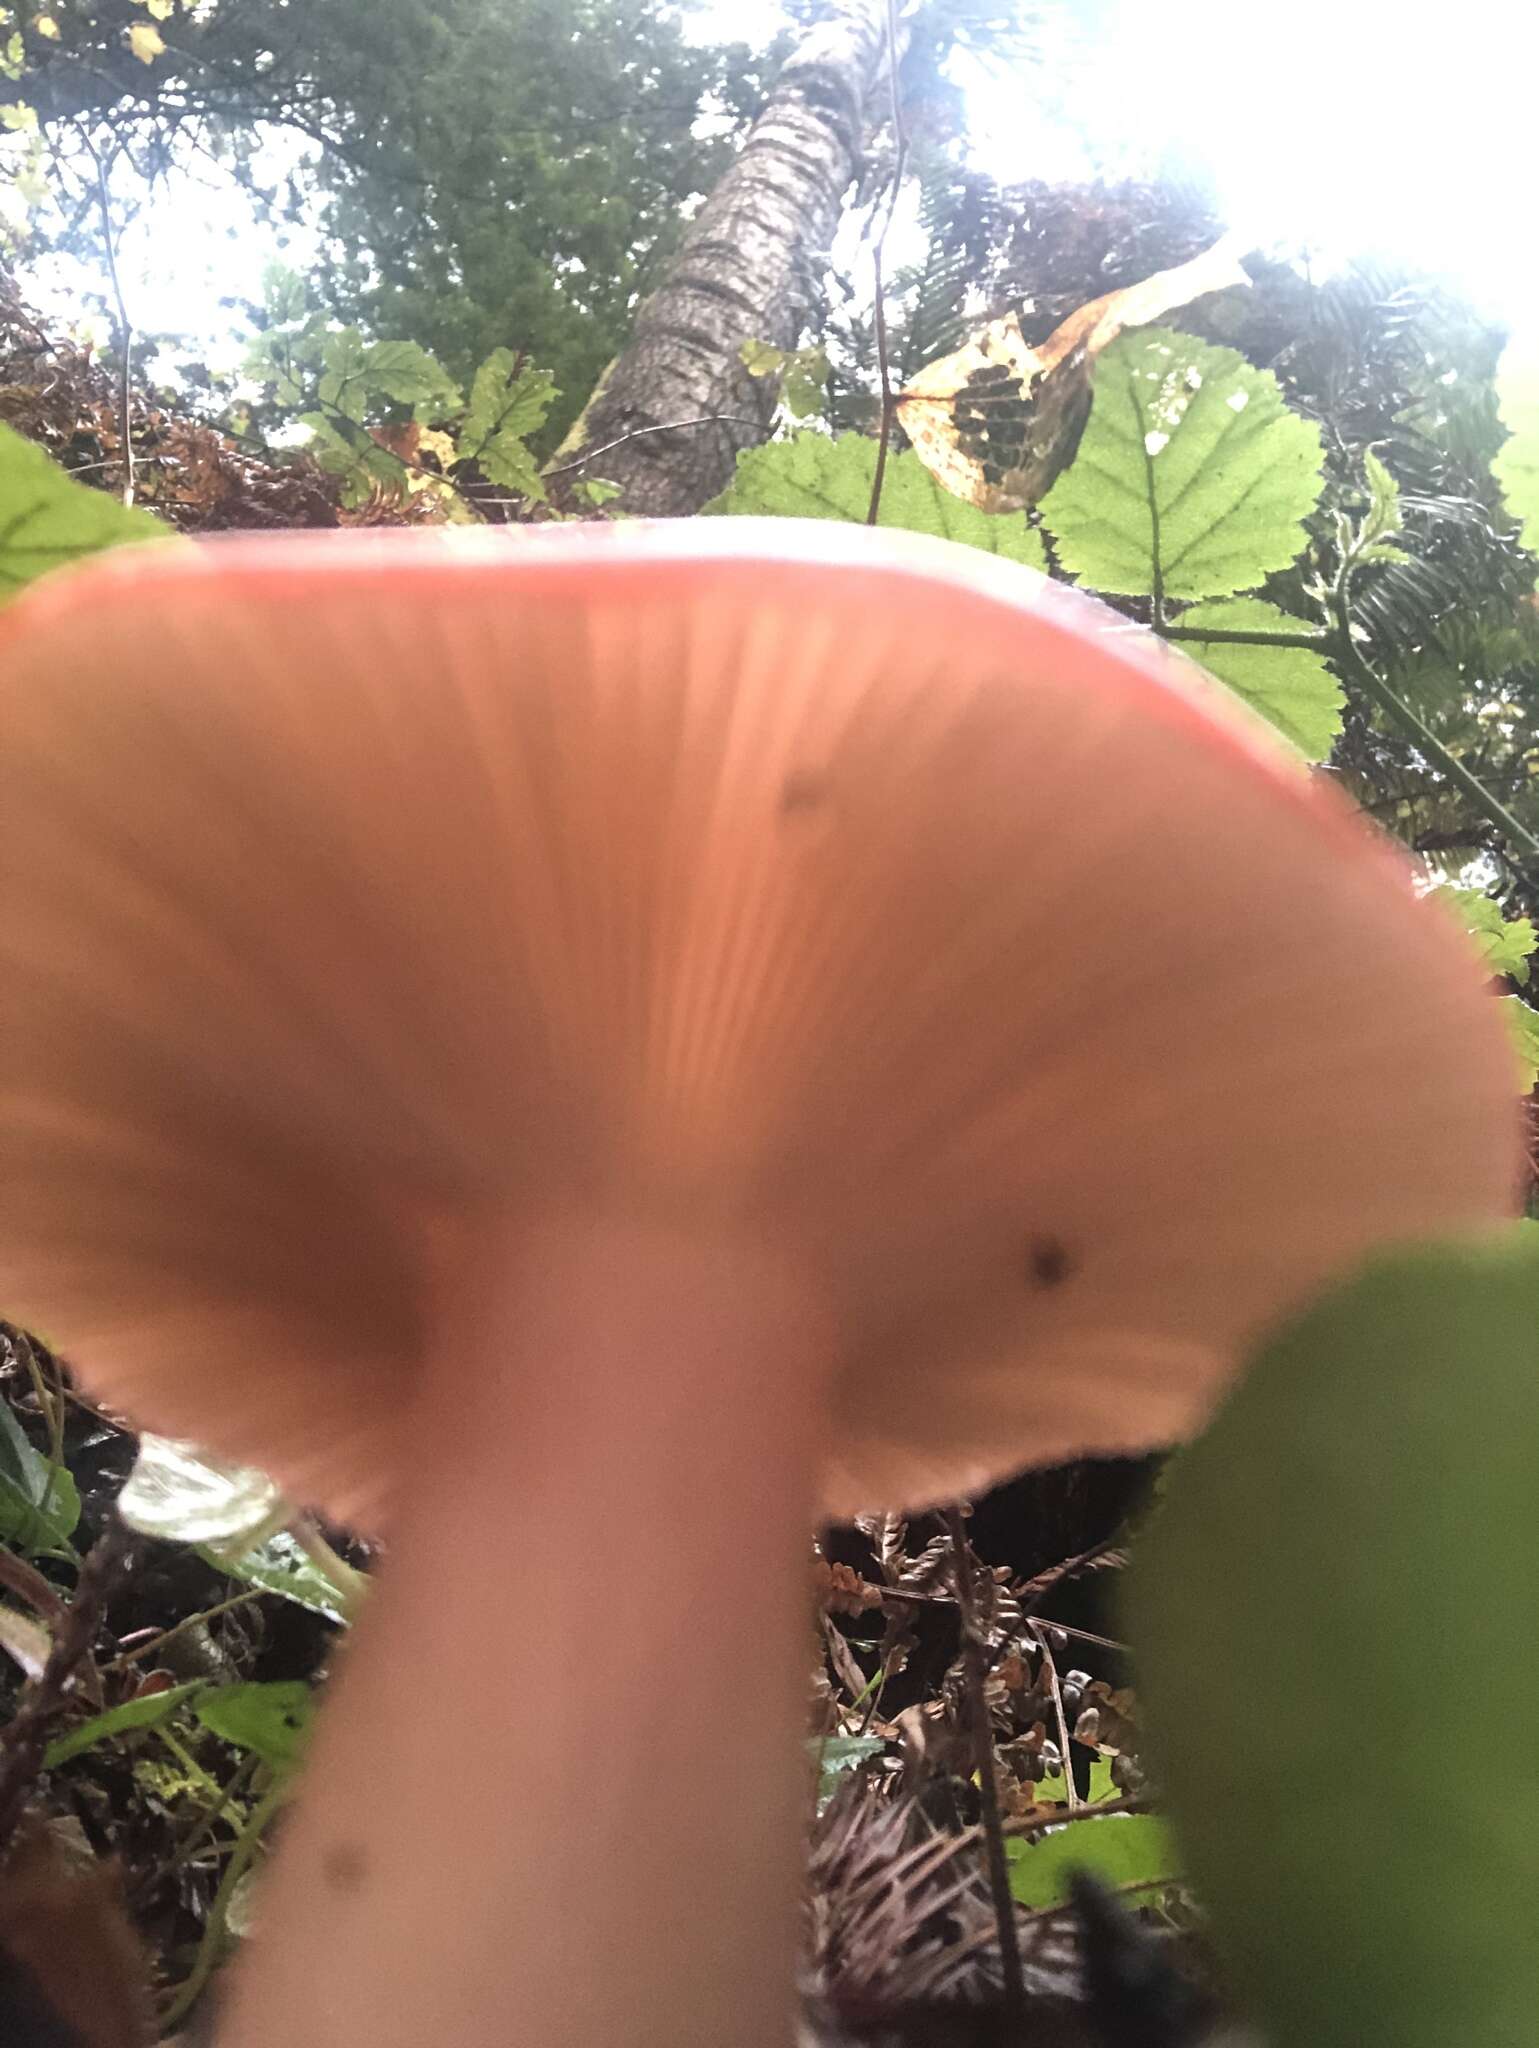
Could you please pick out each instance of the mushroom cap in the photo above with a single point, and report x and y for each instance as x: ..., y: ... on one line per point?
x: 859, y: 894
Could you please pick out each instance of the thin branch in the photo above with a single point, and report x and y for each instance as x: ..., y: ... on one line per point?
x: 706, y: 419
x: 1421, y: 736
x: 188, y: 1622
x: 1071, y: 1795
x: 125, y: 325
x: 24, y: 1740
x: 973, y: 1650
x: 884, y: 365
x: 1045, y: 1823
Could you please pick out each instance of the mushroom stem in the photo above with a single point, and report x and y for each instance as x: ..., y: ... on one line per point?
x: 556, y: 1798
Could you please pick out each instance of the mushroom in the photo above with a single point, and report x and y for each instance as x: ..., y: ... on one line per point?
x: 585, y: 1050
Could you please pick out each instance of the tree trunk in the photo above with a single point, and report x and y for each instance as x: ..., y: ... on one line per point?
x: 749, y: 269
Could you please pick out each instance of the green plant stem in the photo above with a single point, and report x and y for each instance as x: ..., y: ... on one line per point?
x: 351, y: 1585
x: 188, y: 1762
x: 206, y: 1821
x: 1340, y: 647
x: 247, y: 1843
x: 1243, y: 636
x: 1345, y: 651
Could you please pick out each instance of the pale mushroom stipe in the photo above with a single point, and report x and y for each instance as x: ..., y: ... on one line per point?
x: 587, y: 1049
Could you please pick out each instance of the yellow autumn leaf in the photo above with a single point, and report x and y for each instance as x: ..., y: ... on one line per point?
x: 162, y: 10
x: 146, y: 42
x: 45, y: 25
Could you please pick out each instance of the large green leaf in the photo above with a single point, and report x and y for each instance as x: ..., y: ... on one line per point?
x: 1118, y: 1848
x: 1192, y: 478
x: 811, y: 477
x: 47, y: 519
x: 1517, y: 463
x: 1291, y: 687
x: 1337, y: 1597
x: 272, y: 1720
x: 148, y: 1712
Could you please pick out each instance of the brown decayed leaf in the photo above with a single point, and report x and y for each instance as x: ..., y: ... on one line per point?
x: 998, y: 420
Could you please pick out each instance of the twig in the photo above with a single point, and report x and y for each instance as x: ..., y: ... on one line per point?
x: 24, y: 1740
x: 1132, y: 1802
x: 706, y: 419
x: 884, y: 366
x: 988, y: 1781
x: 1070, y: 1794
x: 1421, y: 736
x: 1080, y: 1635
x: 125, y: 325
x: 188, y: 1621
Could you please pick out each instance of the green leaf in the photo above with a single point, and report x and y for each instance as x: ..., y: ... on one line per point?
x: 351, y: 453
x: 762, y: 358
x: 509, y: 400
x: 285, y: 294
x: 39, y: 1503
x: 837, y: 1755
x: 46, y: 518
x: 280, y: 1566
x: 1192, y: 477
x: 272, y: 1721
x: 344, y: 386
x: 408, y: 375
x: 1504, y: 943
x: 1523, y: 1023
x: 1516, y: 467
x: 1118, y: 1848
x: 1357, y: 1531
x: 1052, y: 1787
x: 803, y: 374
x: 148, y: 1712
x: 810, y: 476
x: 596, y: 490
x: 1291, y: 687
x: 1376, y: 540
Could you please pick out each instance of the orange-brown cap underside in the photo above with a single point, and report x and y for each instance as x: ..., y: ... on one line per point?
x: 860, y: 894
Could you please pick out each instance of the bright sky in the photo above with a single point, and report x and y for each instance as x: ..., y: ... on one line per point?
x: 1341, y: 124
x: 1344, y: 124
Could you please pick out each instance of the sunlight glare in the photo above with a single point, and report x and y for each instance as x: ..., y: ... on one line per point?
x: 1343, y: 125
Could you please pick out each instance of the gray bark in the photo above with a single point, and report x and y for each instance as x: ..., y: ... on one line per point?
x: 750, y: 269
